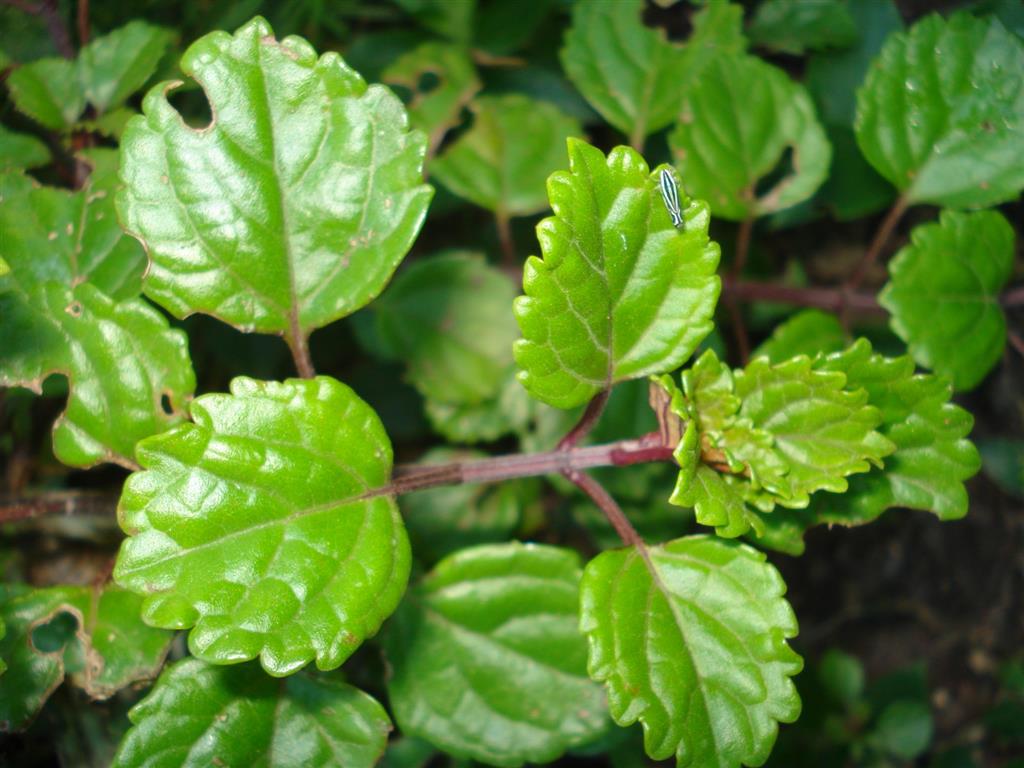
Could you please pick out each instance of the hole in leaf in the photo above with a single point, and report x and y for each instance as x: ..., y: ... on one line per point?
x: 193, y: 106
x: 56, y: 633
x: 74, y: 309
x: 165, y: 404
x: 429, y: 81
x: 782, y: 170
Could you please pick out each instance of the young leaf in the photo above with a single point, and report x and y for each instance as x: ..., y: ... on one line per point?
x: 943, y: 294
x: 293, y: 207
x: 48, y: 91
x: 788, y: 27
x: 667, y: 631
x: 941, y: 114
x: 20, y: 150
x: 448, y: 318
x: 718, y: 501
x: 487, y: 661
x: 621, y: 293
x: 130, y: 375
x: 808, y: 332
x: 112, y: 67
x: 501, y: 162
x: 436, y: 110
x: 252, y: 525
x: 933, y: 457
x: 108, y: 634
x: 630, y: 73
x: 200, y: 715
x: 738, y: 121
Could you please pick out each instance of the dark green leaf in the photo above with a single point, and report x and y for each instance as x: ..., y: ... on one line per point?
x: 303, y: 168
x: 114, y: 66
x: 631, y: 73
x: 487, y: 659
x: 251, y: 525
x: 448, y: 317
x: 620, y: 293
x: 904, y: 729
x: 203, y: 715
x: 666, y: 630
x: 450, y: 18
x: 1004, y: 462
x: 794, y: 27
x: 741, y: 120
x: 48, y: 91
x: 501, y: 162
x: 842, y: 677
x: 941, y: 114
x: 20, y: 150
x: 943, y: 294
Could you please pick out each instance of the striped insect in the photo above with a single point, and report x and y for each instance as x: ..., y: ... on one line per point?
x: 670, y: 194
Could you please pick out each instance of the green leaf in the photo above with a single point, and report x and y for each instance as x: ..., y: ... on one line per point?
x: 842, y: 677
x: 824, y: 429
x: 48, y: 91
x: 106, y: 631
x: 941, y: 114
x: 808, y: 332
x: 20, y: 150
x: 1004, y: 463
x: 904, y: 729
x: 738, y: 121
x: 448, y: 318
x: 201, y: 715
x: 435, y: 109
x: 943, y: 294
x: 130, y: 375
x: 487, y: 660
x: 621, y: 293
x: 501, y: 162
x: 111, y: 68
x: 717, y: 501
x: 510, y: 411
x: 293, y: 207
x: 443, y: 520
x: 450, y: 18
x: 668, y: 634
x: 932, y: 459
x: 631, y: 73
x: 788, y: 27
x: 253, y: 525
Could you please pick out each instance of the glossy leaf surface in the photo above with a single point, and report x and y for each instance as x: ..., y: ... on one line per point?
x: 448, y: 317
x: 487, y: 659
x: 200, y: 715
x: 436, y: 110
x: 668, y: 635
x: 808, y: 332
x: 941, y: 114
x: 69, y: 262
x: 620, y: 293
x: 631, y: 73
x: 105, y: 630
x: 501, y: 162
x: 944, y: 290
x: 788, y: 27
x: 738, y: 120
x: 293, y: 207
x: 249, y: 525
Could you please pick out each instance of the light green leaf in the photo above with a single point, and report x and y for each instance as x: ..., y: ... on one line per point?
x: 933, y: 457
x: 202, y: 715
x: 501, y: 162
x: 510, y: 411
x: 107, y: 633
x: 794, y: 27
x: 111, y: 68
x: 823, y: 429
x: 631, y: 73
x: 808, y: 332
x: 293, y: 207
x: 438, y: 108
x: 941, y: 114
x: 943, y: 294
x: 487, y: 659
x: 253, y: 525
x: 443, y: 520
x: 667, y: 633
x: 48, y: 91
x: 738, y: 120
x: 20, y: 150
x: 717, y: 501
x: 710, y: 392
x: 621, y: 293
x: 448, y: 318
x: 130, y: 375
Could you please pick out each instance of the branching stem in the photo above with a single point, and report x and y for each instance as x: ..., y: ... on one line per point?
x: 885, y: 230
x: 604, y: 501
x: 591, y: 415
